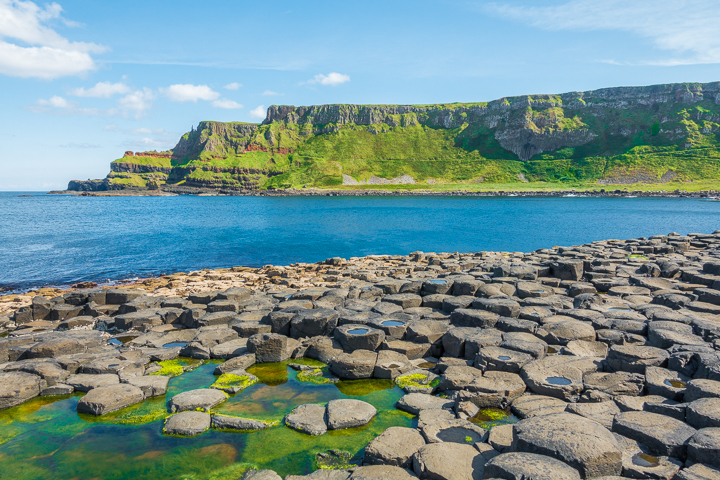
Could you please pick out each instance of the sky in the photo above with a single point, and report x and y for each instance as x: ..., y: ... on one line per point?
x: 82, y: 81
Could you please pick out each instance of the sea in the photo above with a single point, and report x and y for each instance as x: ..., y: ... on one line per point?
x: 59, y: 240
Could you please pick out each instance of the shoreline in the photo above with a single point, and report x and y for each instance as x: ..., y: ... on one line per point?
x: 602, y: 193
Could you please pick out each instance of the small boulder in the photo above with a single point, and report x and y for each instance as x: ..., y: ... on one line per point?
x: 102, y: 400
x: 187, y: 424
x: 309, y: 418
x: 349, y: 413
x: 199, y: 399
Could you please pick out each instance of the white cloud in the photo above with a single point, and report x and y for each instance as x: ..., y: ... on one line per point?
x: 137, y: 102
x: 225, y: 103
x: 686, y: 27
x: 101, y: 90
x: 258, y: 112
x: 270, y: 93
x: 232, y: 86
x: 80, y: 145
x: 333, y: 79
x: 47, y: 54
x: 189, y: 93
x: 55, y: 101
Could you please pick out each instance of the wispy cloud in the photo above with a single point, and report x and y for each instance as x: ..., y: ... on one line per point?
x: 232, y: 86
x: 258, y: 112
x: 225, y: 103
x: 80, y: 145
x: 687, y: 28
x: 333, y: 79
x: 40, y: 51
x: 189, y: 93
x: 136, y: 103
x: 101, y: 90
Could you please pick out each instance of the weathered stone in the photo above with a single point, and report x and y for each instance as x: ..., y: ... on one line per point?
x: 18, y: 387
x: 359, y: 337
x: 309, y: 418
x: 227, y: 422
x: 102, y: 400
x: 416, y: 402
x: 187, y: 424
x: 662, y: 435
x: 395, y: 446
x: 349, y: 413
x: 353, y: 366
x: 581, y: 443
x: 634, y: 358
x: 528, y: 466
x: 381, y: 472
x: 704, y: 413
x: 269, y: 347
x: 448, y: 461
x: 390, y: 364
x: 454, y: 431
x: 151, y: 385
x: 84, y: 382
x: 200, y: 399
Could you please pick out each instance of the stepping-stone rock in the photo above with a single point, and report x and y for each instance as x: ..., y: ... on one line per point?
x: 309, y: 418
x: 584, y: 348
x: 395, y: 446
x: 501, y: 437
x: 227, y: 422
x: 322, y: 475
x: 102, y: 400
x: 635, y: 358
x: 427, y: 417
x: 49, y: 371
x: 313, y: 323
x: 359, y: 337
x: 269, y: 347
x: 57, y: 389
x: 261, y: 475
x: 614, y: 384
x: 454, y: 431
x: 381, y: 472
x: 502, y: 359
x: 84, y: 382
x: 701, y: 388
x: 353, y: 366
x: 448, y: 461
x: 528, y: 406
x: 704, y: 447
x: 464, y: 317
x: 500, y: 306
x: 561, y: 332
x: 581, y: 443
x: 704, y: 413
x: 663, y: 435
x: 601, y: 412
x: 545, y: 377
x: 639, y: 463
x: 528, y: 466
x: 416, y: 402
x: 151, y: 385
x: 18, y: 387
x: 405, y: 300
x: 54, y: 347
x: 664, y: 382
x: 349, y: 413
x: 231, y: 349
x: 242, y: 362
x: 698, y: 471
x: 628, y: 403
x: 199, y: 399
x: 187, y: 424
x: 391, y: 364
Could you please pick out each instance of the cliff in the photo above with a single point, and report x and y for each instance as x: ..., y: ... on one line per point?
x: 658, y: 133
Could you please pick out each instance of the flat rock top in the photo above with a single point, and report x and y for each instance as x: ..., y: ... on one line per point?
x: 102, y: 400
x: 349, y: 413
x: 416, y: 402
x: 309, y: 418
x: 187, y: 423
x: 202, y: 398
x: 520, y: 465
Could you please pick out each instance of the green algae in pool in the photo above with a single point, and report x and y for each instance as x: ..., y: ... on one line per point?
x: 46, y: 437
x: 492, y: 417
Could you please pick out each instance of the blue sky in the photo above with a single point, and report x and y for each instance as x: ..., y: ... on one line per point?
x: 82, y: 81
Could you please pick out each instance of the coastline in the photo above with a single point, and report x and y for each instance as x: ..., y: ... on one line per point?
x: 313, y: 192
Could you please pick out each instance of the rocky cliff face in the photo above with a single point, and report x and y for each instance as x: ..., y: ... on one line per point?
x: 309, y: 139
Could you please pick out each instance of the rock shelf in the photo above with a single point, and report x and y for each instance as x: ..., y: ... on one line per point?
x: 606, y: 356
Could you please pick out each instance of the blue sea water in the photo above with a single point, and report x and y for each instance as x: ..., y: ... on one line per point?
x: 60, y: 240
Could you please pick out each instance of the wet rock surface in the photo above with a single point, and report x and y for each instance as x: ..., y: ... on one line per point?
x: 586, y: 361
